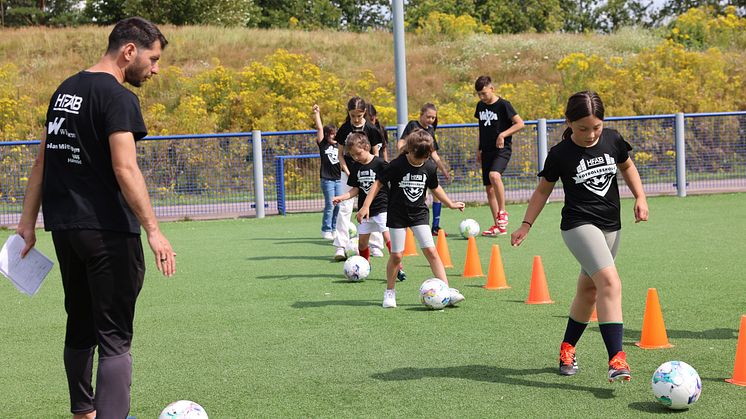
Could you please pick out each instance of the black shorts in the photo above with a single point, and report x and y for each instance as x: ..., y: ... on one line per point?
x: 495, y: 161
x: 102, y: 274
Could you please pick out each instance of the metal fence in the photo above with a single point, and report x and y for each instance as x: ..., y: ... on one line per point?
x: 212, y: 176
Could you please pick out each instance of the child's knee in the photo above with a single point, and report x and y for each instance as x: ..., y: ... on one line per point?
x: 396, y: 257
x: 495, y: 177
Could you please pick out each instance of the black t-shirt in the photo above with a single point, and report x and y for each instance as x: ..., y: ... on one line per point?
x: 494, y: 119
x: 329, y: 154
x: 407, y: 184
x: 374, y: 136
x: 589, y: 180
x: 414, y: 124
x: 80, y: 190
x: 363, y: 176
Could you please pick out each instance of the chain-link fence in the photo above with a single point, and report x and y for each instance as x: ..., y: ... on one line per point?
x: 212, y: 176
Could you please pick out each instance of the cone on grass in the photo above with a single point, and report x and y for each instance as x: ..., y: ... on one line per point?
x: 739, y: 368
x: 472, y: 267
x: 442, y: 248
x: 653, y: 334
x: 496, y: 273
x: 410, y: 249
x: 538, y: 292
x: 594, y: 315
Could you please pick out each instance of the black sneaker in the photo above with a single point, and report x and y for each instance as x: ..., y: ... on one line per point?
x: 567, y: 363
x: 401, y: 276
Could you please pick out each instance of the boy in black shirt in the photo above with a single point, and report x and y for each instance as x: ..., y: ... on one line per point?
x: 498, y: 121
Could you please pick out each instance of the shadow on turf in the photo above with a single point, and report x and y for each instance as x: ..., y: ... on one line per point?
x: 719, y: 333
x: 491, y: 374
x: 279, y: 241
x: 294, y: 276
x: 653, y: 407
x: 352, y: 303
x: 291, y: 257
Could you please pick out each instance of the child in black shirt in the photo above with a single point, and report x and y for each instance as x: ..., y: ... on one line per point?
x: 329, y: 172
x: 587, y: 160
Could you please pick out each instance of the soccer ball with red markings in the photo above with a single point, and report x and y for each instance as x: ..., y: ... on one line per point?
x: 435, y: 293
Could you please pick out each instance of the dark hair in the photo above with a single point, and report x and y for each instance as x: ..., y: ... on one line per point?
x: 482, y: 82
x: 355, y: 103
x: 370, y: 111
x: 137, y: 30
x: 419, y: 143
x: 581, y: 105
x: 430, y: 107
x: 357, y: 139
x: 328, y: 132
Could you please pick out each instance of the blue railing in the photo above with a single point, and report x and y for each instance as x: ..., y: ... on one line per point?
x: 211, y: 175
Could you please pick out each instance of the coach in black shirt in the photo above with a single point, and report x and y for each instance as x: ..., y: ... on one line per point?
x: 94, y: 200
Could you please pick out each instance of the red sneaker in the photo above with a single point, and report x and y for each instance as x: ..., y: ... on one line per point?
x: 619, y: 368
x: 568, y: 365
x: 502, y: 222
x: 492, y: 231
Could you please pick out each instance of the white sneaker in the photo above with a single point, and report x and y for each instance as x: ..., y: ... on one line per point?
x: 389, y: 299
x: 376, y: 252
x: 327, y: 235
x: 456, y: 297
x: 340, y: 254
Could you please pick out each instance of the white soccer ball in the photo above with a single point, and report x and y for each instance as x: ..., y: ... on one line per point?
x: 352, y: 248
x: 469, y: 228
x: 435, y: 293
x: 356, y: 268
x: 352, y: 230
x: 183, y: 409
x: 676, y: 384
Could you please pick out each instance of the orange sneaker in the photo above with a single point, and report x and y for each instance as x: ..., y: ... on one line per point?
x: 619, y: 368
x: 567, y: 363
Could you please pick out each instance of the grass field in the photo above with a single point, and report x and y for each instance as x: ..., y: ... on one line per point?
x: 258, y: 322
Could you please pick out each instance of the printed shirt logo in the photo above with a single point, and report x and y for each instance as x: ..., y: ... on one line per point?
x: 596, y: 174
x: 68, y: 103
x: 365, y: 179
x: 487, y: 116
x: 332, y: 153
x: 54, y: 126
x: 413, y: 186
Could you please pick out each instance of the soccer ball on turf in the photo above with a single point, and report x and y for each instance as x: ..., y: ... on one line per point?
x: 435, y: 293
x: 352, y: 248
x: 676, y: 384
x: 469, y: 228
x: 356, y: 268
x: 352, y: 230
x: 183, y: 409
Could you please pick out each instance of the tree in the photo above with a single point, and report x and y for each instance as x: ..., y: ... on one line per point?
x: 104, y: 12
x: 324, y: 14
x: 618, y: 13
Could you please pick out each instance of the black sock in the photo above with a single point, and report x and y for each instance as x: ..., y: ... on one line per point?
x: 574, y: 331
x: 612, y: 334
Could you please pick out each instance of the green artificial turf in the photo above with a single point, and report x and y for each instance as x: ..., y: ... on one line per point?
x: 259, y: 322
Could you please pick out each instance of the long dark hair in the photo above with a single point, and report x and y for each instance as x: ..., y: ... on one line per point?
x: 370, y: 113
x: 580, y: 105
x: 355, y: 103
x: 328, y: 130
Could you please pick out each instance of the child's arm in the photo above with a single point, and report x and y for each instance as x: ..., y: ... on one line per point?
x: 347, y: 195
x: 535, y: 205
x: 363, y: 212
x: 319, y: 125
x: 479, y: 149
x: 517, y: 126
x: 632, y: 178
x: 342, y: 161
x: 376, y: 148
x: 441, y: 165
x: 442, y: 197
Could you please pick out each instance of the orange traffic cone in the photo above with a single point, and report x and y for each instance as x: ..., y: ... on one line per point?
x: 496, y: 273
x: 594, y: 316
x: 538, y: 292
x: 653, y: 334
x: 472, y: 267
x: 739, y: 368
x: 442, y: 248
x: 410, y: 249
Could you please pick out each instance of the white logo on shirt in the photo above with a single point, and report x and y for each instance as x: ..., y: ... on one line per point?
x: 596, y: 174
x: 67, y: 103
x: 54, y: 126
x: 332, y: 153
x: 487, y: 116
x: 413, y: 186
x: 365, y: 179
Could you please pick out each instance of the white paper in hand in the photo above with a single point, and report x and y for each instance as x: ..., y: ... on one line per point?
x: 26, y: 274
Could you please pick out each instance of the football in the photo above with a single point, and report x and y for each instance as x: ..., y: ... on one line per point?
x: 469, y: 228
x: 435, y: 293
x: 183, y: 409
x: 356, y: 268
x: 676, y: 385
